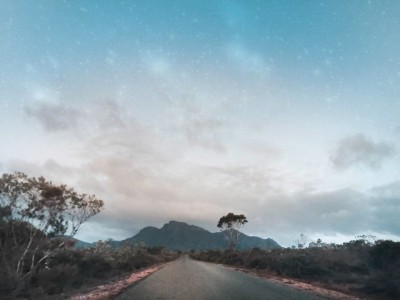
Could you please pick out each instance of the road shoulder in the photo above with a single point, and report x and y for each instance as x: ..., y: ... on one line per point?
x: 107, y: 291
x: 313, y: 288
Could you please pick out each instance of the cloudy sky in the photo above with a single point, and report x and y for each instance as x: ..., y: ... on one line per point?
x: 286, y: 111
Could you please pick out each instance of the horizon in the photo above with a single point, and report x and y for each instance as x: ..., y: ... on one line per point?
x: 306, y: 239
x: 176, y: 221
x: 286, y: 112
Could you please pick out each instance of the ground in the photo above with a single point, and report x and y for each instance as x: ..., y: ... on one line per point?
x: 107, y: 291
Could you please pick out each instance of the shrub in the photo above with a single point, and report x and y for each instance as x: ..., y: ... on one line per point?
x: 55, y: 280
x: 360, y: 265
x: 94, y: 265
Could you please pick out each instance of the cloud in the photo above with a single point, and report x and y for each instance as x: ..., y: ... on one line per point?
x: 344, y: 212
x: 111, y: 115
x: 385, y: 203
x: 139, y: 194
x: 198, y: 126
x: 146, y: 178
x: 54, y: 116
x: 283, y: 217
x: 358, y: 150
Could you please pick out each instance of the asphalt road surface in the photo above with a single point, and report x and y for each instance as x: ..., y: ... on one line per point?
x: 187, y: 279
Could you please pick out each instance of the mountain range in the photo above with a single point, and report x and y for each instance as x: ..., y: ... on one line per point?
x: 181, y: 236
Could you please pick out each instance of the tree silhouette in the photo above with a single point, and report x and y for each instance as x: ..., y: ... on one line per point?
x: 231, y: 224
x: 37, y: 218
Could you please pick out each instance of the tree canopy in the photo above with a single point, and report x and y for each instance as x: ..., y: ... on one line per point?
x: 231, y: 224
x: 37, y: 217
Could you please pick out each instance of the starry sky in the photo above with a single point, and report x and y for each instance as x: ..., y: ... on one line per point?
x: 285, y: 111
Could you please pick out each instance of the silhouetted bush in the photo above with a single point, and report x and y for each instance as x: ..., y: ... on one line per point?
x: 9, y: 282
x: 94, y: 265
x: 69, y: 268
x: 257, y: 263
x: 57, y: 279
x: 362, y: 266
x: 385, y: 254
x: 155, y: 250
x: 385, y: 278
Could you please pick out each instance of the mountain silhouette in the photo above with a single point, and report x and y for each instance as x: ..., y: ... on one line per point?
x: 181, y: 236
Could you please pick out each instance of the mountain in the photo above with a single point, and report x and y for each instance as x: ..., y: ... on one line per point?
x: 81, y: 244
x: 78, y: 243
x: 181, y: 236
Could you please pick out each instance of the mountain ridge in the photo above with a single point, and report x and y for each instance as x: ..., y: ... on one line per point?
x: 176, y: 235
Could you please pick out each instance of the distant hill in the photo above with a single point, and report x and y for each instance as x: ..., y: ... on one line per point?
x: 79, y: 244
x: 181, y: 236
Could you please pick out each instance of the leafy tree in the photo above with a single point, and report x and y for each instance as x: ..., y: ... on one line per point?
x: 231, y: 224
x: 37, y: 218
x: 318, y: 244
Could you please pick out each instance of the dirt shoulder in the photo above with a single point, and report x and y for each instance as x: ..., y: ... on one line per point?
x: 110, y: 290
x: 312, y: 287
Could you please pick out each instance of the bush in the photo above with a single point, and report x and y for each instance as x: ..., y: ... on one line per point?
x: 94, y: 265
x: 155, y: 250
x: 385, y: 261
x: 57, y: 279
x: 360, y: 266
x: 385, y: 254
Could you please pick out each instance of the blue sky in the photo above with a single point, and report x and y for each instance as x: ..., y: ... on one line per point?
x: 286, y: 111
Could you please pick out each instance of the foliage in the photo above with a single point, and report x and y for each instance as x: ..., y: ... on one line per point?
x: 37, y: 219
x: 231, y: 224
x: 69, y: 269
x: 366, y: 268
x: 38, y: 258
x: 384, y: 258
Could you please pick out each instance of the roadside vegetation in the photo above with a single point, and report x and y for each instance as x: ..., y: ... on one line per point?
x: 38, y: 260
x: 368, y: 269
x: 76, y: 270
x: 71, y: 270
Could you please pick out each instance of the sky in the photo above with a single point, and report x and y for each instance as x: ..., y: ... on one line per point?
x: 285, y: 111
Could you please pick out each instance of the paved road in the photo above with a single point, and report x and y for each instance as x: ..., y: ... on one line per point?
x: 187, y: 279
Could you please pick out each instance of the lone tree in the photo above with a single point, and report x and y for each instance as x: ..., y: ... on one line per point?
x: 37, y: 218
x: 230, y: 224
